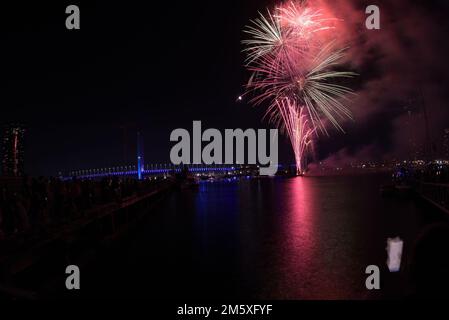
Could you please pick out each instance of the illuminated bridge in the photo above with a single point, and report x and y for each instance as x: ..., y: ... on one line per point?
x: 163, y: 170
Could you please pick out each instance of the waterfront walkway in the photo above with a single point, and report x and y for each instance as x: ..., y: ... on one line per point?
x: 31, y: 206
x: 75, y: 236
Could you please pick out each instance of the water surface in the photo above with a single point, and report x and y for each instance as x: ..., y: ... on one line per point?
x: 279, y: 238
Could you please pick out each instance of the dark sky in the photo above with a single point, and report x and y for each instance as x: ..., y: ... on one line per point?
x: 159, y: 66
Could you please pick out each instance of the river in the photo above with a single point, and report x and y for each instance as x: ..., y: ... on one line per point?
x: 278, y: 238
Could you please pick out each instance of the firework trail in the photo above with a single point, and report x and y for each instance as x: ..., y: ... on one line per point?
x: 296, y: 124
x: 295, y: 71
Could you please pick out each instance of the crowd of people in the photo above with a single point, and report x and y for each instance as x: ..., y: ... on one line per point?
x: 434, y: 173
x: 35, y: 203
x: 431, y: 173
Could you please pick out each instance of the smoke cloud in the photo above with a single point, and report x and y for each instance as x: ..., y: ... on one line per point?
x: 402, y: 82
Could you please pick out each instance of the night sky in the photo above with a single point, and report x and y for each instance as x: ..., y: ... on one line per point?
x: 159, y: 66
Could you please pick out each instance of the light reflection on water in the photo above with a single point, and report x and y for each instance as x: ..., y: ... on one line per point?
x: 280, y: 238
x: 295, y: 238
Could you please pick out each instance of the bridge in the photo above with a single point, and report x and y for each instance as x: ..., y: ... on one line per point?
x: 163, y: 170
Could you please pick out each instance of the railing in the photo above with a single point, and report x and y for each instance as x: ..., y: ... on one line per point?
x: 152, y: 171
x: 436, y: 193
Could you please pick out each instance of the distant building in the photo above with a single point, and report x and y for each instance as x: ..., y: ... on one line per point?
x: 446, y: 144
x: 13, y: 150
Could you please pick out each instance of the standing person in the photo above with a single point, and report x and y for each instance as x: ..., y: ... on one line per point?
x: 2, y: 233
x: 23, y: 223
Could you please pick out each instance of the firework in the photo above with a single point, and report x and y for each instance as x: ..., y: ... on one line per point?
x: 292, y: 27
x: 303, y: 21
x: 294, y: 121
x: 266, y: 37
x: 310, y: 83
x: 295, y: 71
